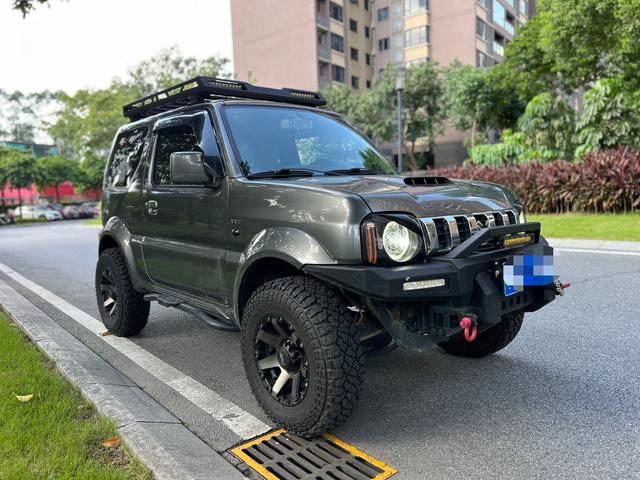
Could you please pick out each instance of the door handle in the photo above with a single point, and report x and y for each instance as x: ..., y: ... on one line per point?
x: 152, y: 207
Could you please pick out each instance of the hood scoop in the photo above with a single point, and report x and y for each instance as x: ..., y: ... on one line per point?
x: 418, y: 181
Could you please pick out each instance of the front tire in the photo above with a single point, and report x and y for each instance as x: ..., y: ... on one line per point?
x: 301, y: 354
x: 123, y: 310
x: 487, y: 342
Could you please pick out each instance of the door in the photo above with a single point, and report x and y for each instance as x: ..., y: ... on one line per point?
x: 183, y: 230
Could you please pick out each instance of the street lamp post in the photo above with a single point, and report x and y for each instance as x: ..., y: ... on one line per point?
x: 399, y: 89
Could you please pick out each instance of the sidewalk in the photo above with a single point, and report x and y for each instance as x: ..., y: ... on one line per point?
x: 606, y: 245
x: 156, y: 437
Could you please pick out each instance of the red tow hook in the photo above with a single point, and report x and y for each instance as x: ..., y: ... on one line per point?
x: 470, y: 329
x: 565, y: 285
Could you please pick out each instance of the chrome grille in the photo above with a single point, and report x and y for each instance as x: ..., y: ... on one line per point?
x: 447, y: 232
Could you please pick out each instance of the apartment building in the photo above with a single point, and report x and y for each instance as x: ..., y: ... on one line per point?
x: 313, y: 43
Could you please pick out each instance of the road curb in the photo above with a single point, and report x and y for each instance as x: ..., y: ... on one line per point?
x: 154, y: 435
x: 603, y: 245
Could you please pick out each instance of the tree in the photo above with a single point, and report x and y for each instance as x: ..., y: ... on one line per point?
x: 4, y: 176
x: 52, y: 171
x: 88, y: 119
x: 91, y: 172
x: 478, y: 99
x: 21, y: 170
x: 610, y: 117
x: 570, y: 45
x: 27, y: 6
x: 423, y: 112
x: 549, y: 124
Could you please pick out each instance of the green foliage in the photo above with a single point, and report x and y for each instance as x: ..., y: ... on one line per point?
x: 20, y: 168
x: 569, y: 45
x: 479, y: 99
x: 88, y: 119
x: 515, y: 148
x: 52, y: 171
x: 91, y: 172
x: 548, y: 124
x: 610, y: 117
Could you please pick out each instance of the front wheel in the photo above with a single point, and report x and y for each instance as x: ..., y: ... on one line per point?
x: 123, y: 310
x: 487, y: 342
x: 301, y: 354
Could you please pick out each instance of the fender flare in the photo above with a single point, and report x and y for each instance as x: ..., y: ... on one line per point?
x: 289, y: 244
x: 118, y: 232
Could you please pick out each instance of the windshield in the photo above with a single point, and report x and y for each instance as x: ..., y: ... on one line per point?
x: 279, y: 138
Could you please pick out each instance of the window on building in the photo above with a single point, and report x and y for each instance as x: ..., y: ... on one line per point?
x: 354, y: 54
x: 368, y: 83
x: 355, y: 82
x: 416, y: 36
x: 415, y: 6
x: 353, y: 2
x: 366, y: 4
x: 337, y: 43
x: 499, y: 13
x: 126, y: 157
x: 367, y: 59
x: 367, y: 32
x: 180, y: 138
x: 482, y: 29
x: 524, y: 7
x: 353, y: 25
x: 511, y: 2
x: 481, y: 59
x: 383, y: 14
x: 483, y: 3
x: 383, y: 44
x: 335, y: 11
x: 498, y: 45
x: 337, y: 73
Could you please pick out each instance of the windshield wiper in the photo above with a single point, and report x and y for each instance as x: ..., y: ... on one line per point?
x: 289, y: 172
x: 356, y: 171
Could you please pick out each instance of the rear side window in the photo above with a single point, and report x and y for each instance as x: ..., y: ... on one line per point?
x: 127, y: 153
x: 180, y: 138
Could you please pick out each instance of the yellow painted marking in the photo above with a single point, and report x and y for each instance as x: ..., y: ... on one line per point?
x: 387, y: 471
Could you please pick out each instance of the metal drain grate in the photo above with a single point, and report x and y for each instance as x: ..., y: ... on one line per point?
x: 282, y: 456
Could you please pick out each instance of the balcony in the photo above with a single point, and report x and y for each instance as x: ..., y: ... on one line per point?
x: 509, y: 28
x: 324, y: 53
x: 322, y: 21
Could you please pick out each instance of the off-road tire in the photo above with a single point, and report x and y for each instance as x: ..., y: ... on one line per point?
x: 132, y: 311
x: 487, y: 342
x: 336, y: 359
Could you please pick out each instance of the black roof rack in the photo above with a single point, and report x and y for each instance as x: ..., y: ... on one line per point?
x: 199, y: 89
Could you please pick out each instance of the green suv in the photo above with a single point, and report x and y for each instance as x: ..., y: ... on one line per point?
x: 256, y: 211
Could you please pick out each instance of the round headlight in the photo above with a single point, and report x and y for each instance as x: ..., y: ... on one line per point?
x: 400, y: 243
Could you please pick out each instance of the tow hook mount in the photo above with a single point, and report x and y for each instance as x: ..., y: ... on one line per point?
x: 560, y: 287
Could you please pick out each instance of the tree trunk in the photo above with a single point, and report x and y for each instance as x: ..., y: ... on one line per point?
x: 57, y: 194
x: 20, y: 202
x: 474, y: 132
x: 411, y: 153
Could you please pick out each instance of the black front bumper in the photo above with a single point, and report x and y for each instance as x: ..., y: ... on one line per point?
x: 472, y: 286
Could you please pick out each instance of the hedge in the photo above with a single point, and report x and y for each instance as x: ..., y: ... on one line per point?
x: 607, y: 181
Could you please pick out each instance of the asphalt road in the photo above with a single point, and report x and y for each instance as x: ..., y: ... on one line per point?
x: 562, y: 401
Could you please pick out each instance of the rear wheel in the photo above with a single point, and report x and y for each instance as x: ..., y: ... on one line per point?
x: 123, y: 310
x: 487, y: 342
x: 301, y: 354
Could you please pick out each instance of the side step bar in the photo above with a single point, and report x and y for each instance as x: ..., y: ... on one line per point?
x: 167, y: 301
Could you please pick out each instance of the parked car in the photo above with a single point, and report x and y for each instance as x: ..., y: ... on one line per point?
x: 267, y: 215
x: 70, y: 212
x: 89, y: 210
x: 36, y: 212
x: 7, y: 218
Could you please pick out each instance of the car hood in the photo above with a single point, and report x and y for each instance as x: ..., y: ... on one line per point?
x: 392, y: 194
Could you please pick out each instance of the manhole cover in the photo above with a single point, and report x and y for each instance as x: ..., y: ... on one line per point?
x: 282, y: 456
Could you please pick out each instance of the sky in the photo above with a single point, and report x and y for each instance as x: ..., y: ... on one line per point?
x: 74, y: 44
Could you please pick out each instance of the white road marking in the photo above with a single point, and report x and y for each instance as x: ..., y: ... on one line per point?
x: 239, y: 421
x: 603, y: 252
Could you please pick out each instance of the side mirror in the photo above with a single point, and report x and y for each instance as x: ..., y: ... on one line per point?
x: 188, y: 167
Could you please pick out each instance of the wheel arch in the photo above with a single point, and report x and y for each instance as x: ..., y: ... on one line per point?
x: 274, y: 253
x: 115, y: 234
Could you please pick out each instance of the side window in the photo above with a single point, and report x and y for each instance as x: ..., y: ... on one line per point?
x: 180, y: 138
x: 127, y: 153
